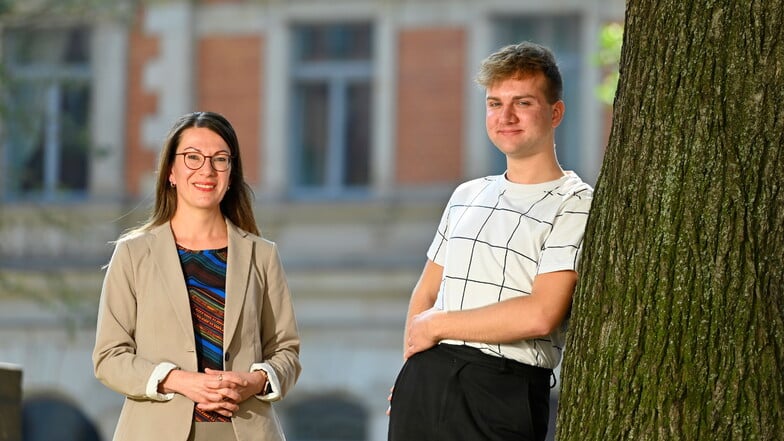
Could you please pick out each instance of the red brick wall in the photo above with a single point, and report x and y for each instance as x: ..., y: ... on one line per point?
x: 139, y: 159
x: 431, y: 98
x: 229, y: 82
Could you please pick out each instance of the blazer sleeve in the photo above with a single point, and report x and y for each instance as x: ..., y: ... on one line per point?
x: 279, y: 336
x: 115, y: 361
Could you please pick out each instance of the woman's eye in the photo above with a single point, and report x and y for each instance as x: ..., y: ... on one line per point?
x: 221, y: 159
x: 193, y: 156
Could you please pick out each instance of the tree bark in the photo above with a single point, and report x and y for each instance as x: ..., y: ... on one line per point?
x: 677, y: 329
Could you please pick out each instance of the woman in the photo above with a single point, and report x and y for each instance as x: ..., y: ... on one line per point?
x: 195, y: 323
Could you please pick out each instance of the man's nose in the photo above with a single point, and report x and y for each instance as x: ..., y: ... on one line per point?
x: 508, y: 115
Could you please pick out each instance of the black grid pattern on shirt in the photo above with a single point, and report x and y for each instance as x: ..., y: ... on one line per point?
x: 476, y: 240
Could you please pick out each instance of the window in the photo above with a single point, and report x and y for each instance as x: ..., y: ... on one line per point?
x: 562, y: 35
x: 331, y: 114
x: 45, y: 112
x: 327, y: 419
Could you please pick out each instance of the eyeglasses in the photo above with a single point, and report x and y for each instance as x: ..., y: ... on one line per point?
x: 195, y: 160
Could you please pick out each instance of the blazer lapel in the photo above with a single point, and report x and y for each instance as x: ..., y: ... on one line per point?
x: 238, y: 269
x: 164, y: 251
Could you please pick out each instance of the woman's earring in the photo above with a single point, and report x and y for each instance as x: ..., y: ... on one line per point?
x: 171, y: 184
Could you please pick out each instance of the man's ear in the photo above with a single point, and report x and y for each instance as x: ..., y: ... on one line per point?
x: 559, y: 108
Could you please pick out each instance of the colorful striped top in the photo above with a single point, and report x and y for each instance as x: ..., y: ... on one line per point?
x: 205, y: 278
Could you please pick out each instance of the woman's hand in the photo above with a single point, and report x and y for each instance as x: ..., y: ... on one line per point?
x: 235, y: 387
x: 215, y: 391
x: 203, y: 389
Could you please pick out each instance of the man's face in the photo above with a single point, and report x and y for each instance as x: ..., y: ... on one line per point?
x: 519, y: 120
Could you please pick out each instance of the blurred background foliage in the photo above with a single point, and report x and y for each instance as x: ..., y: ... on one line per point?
x: 609, y: 57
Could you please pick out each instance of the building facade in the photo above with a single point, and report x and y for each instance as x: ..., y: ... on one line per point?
x: 356, y: 119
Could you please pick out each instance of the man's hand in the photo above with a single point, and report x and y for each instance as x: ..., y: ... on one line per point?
x: 421, y: 332
x: 389, y: 398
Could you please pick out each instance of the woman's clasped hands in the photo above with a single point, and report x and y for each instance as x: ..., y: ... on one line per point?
x: 214, y: 390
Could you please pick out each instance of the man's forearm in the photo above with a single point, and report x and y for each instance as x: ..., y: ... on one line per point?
x: 519, y: 318
x: 505, y: 322
x: 424, y: 295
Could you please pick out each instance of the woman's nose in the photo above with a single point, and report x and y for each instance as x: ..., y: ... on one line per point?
x: 207, y: 167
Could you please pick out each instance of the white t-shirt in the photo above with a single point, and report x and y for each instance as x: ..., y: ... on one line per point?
x: 495, y: 236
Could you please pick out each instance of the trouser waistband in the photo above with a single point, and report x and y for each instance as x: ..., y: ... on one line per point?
x: 500, y: 364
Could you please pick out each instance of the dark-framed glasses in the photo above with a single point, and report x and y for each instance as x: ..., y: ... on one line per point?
x: 195, y: 160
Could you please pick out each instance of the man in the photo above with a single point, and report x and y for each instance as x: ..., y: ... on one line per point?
x: 486, y: 320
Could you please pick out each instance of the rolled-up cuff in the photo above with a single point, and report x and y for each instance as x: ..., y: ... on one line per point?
x: 158, y: 374
x: 272, y: 378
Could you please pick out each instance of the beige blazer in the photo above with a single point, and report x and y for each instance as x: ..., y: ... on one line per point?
x: 144, y: 320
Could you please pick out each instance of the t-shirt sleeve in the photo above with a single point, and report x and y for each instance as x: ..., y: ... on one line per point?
x: 563, y: 246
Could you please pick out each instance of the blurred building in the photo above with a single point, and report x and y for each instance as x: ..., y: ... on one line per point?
x: 356, y: 119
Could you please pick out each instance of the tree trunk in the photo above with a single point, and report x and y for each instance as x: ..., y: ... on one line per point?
x: 677, y: 329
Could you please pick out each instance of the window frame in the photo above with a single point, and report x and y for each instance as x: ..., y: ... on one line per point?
x: 53, y: 79
x: 338, y: 76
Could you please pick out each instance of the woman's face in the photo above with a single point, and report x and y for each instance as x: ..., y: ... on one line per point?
x: 201, y: 169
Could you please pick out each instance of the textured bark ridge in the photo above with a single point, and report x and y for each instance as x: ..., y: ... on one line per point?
x: 677, y: 329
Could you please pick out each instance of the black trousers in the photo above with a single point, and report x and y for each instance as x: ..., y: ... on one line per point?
x: 458, y: 393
